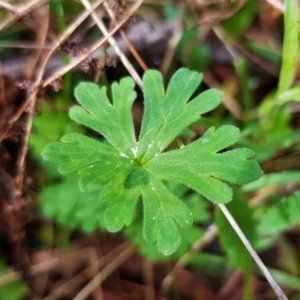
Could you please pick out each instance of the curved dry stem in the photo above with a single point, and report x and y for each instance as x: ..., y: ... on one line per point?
x: 277, y: 289
x: 217, y: 16
x: 133, y: 51
x: 172, y: 46
x: 8, y: 6
x: 115, y: 45
x: 148, y: 279
x: 101, y: 276
x: 86, y: 54
x: 78, y: 280
x: 20, y: 11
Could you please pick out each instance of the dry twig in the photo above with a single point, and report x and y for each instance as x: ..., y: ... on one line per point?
x: 227, y: 40
x: 101, y: 276
x: 172, y: 46
x: 79, y: 279
x: 37, y: 84
x: 217, y: 16
x: 148, y: 279
x: 115, y: 45
x: 126, y: 40
x: 19, y: 11
x: 229, y: 102
x: 86, y: 54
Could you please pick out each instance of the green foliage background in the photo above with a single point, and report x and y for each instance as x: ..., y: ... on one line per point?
x: 116, y: 171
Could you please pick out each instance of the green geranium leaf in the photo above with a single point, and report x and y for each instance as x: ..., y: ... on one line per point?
x: 167, y: 114
x: 124, y: 168
x: 201, y: 162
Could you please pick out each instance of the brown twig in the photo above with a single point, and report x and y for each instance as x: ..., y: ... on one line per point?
x: 25, y: 45
x: 41, y: 267
x: 20, y: 11
x: 148, y: 280
x: 68, y: 67
x: 53, y: 48
x: 115, y: 45
x: 86, y: 54
x: 50, y: 264
x: 40, y: 282
x: 3, y: 106
x: 229, y: 102
x: 79, y: 279
x: 8, y: 6
x: 114, y: 17
x: 126, y: 40
x: 172, y: 45
x: 230, y: 287
x: 217, y: 16
x: 37, y: 85
x: 133, y: 51
x: 226, y: 39
x: 41, y: 21
x: 101, y: 276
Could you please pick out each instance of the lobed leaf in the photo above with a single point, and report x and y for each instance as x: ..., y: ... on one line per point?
x: 161, y: 210
x: 113, y: 121
x: 200, y: 166
x: 125, y: 169
x: 166, y: 115
x: 96, y: 162
x: 75, y: 146
x: 121, y: 208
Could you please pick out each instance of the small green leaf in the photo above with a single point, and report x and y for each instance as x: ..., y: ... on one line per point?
x: 273, y: 179
x: 240, y: 21
x: 215, y: 266
x: 286, y: 280
x: 281, y: 216
x: 198, y: 206
x: 191, y: 53
x: 71, y: 207
x: 291, y: 95
x: 15, y: 290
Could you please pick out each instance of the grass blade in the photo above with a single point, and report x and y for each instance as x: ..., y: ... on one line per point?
x: 290, y: 45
